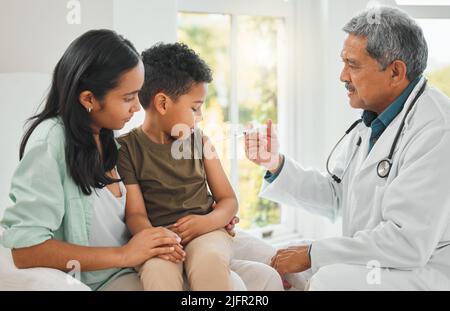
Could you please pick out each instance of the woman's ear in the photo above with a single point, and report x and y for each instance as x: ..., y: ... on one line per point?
x: 87, y: 100
x: 399, y: 72
x: 161, y: 102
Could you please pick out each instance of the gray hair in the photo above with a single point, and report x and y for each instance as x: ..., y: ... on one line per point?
x: 391, y: 35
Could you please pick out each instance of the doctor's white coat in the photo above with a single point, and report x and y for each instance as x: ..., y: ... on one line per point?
x: 403, y: 221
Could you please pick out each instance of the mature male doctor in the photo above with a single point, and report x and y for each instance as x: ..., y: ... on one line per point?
x: 391, y: 183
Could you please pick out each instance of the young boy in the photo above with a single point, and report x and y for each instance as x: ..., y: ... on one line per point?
x: 167, y: 188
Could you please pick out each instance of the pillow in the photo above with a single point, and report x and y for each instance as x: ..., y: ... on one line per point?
x: 42, y: 279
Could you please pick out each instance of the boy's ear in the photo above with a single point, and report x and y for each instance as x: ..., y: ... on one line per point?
x: 161, y: 103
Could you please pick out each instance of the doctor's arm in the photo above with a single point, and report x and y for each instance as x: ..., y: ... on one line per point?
x: 415, y: 212
x: 287, y: 182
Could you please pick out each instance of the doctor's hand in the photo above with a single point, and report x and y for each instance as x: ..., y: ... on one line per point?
x: 291, y: 260
x: 262, y: 147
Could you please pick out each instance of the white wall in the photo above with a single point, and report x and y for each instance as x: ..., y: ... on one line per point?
x: 145, y: 22
x: 34, y: 33
x: 21, y: 94
x: 321, y: 109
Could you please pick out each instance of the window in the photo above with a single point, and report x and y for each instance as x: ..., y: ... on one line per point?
x: 434, y: 18
x: 438, y: 70
x: 423, y: 2
x: 244, y: 53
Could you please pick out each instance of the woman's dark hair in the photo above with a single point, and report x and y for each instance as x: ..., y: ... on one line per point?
x: 95, y: 62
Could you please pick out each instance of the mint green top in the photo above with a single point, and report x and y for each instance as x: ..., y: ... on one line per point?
x: 47, y: 204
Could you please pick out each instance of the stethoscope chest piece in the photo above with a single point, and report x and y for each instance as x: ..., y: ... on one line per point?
x: 384, y: 168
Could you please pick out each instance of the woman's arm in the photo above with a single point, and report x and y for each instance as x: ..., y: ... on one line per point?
x: 135, y: 212
x: 57, y: 254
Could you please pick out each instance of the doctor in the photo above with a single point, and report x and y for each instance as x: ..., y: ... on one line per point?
x: 391, y: 183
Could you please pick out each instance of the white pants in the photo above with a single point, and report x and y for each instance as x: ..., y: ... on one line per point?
x: 257, y: 276
x: 343, y: 277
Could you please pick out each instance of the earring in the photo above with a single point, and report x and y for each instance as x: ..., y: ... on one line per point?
x: 89, y: 109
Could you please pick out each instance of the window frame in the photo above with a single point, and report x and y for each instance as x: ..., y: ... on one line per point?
x: 426, y: 11
x: 269, y: 8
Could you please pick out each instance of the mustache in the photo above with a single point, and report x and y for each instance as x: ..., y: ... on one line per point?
x: 349, y: 87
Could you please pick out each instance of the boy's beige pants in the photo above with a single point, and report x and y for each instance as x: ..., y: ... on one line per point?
x: 207, y: 266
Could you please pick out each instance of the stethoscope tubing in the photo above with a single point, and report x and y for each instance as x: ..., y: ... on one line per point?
x: 384, y: 166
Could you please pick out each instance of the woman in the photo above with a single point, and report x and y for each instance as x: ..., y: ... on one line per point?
x: 68, y: 200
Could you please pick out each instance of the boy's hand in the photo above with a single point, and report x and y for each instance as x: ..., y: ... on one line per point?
x: 230, y: 226
x: 190, y: 227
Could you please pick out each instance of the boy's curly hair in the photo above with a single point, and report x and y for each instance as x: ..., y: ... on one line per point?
x: 172, y: 69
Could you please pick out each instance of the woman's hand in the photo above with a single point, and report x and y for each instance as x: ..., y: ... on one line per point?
x: 147, y: 244
x: 176, y: 257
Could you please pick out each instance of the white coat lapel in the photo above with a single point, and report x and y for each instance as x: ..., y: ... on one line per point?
x: 383, y: 146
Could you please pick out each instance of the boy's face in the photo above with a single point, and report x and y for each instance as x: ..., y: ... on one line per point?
x: 186, y: 110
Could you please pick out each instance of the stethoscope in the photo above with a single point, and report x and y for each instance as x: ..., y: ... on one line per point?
x: 384, y: 166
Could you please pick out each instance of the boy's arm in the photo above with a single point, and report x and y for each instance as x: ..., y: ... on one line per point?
x: 135, y: 212
x: 192, y: 226
x: 137, y: 220
x: 224, y: 196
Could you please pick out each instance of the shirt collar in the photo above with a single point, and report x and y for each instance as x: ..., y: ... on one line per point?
x: 393, y: 109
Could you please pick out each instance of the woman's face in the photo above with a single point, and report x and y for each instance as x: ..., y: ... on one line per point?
x: 119, y: 104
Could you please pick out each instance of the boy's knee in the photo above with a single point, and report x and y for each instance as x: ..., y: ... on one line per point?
x: 157, y: 266
x: 209, y: 259
x: 160, y: 274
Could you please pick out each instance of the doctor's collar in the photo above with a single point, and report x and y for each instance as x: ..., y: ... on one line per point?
x: 393, y: 109
x: 368, y: 117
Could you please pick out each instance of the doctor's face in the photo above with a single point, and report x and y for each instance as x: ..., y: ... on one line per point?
x: 368, y: 86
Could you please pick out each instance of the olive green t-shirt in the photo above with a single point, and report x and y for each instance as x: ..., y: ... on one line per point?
x: 172, y: 187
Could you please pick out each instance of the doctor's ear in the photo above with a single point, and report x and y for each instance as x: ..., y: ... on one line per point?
x: 88, y: 101
x: 398, y: 72
x: 161, y: 103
